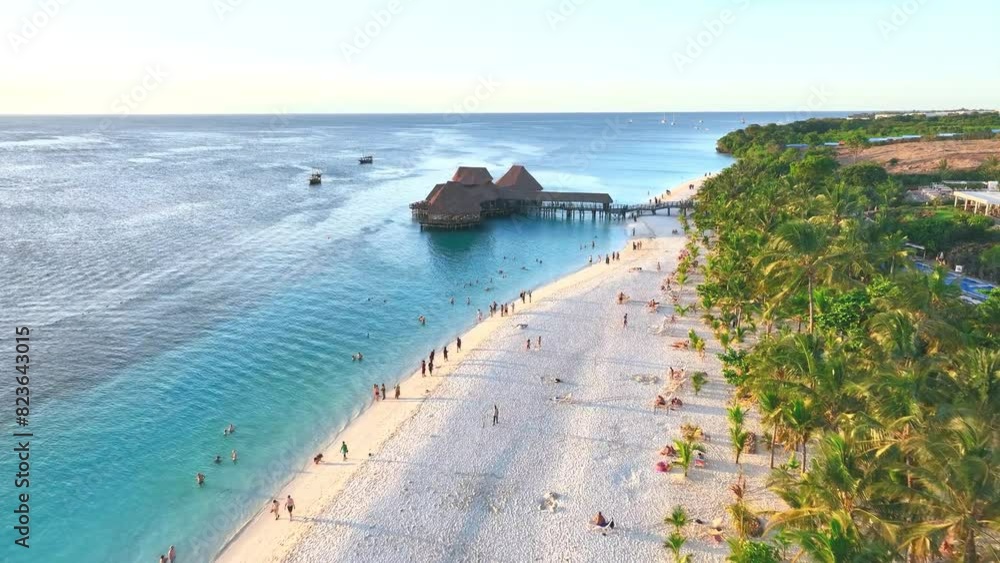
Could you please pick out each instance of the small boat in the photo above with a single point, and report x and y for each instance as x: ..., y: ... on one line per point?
x: 316, y: 178
x: 366, y: 159
x: 664, y: 120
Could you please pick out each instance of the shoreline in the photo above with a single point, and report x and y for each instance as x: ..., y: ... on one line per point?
x: 314, y: 487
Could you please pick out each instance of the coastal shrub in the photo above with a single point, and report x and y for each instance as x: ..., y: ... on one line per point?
x: 864, y: 174
x: 677, y: 518
x: 749, y: 551
x: 698, y: 380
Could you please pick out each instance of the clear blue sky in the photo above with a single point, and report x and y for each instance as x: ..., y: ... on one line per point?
x: 270, y: 56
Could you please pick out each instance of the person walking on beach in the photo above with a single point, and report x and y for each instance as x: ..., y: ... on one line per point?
x: 275, y: 509
x: 343, y: 450
x: 529, y: 296
x: 539, y: 345
x: 289, y: 506
x: 384, y: 396
x: 234, y: 456
x: 479, y: 315
x: 625, y: 321
x: 607, y: 260
x: 171, y: 554
x: 445, y: 351
x: 430, y: 368
x: 458, y: 343
x: 432, y: 356
x: 375, y: 391
x: 528, y: 345
x: 496, y: 415
x: 423, y: 368
x: 397, y: 391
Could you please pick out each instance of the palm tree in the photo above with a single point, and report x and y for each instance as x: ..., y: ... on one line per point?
x: 736, y: 415
x: 799, y: 417
x: 678, y: 518
x: 686, y: 452
x: 771, y: 412
x: 799, y: 257
x: 674, y: 543
x: 739, y: 438
x: 957, y: 486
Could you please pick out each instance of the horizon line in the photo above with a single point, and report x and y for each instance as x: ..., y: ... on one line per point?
x: 610, y: 112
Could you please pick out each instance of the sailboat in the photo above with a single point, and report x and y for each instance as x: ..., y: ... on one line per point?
x: 673, y: 120
x: 664, y: 120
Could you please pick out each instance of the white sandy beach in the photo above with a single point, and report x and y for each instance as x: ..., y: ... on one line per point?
x: 443, y: 484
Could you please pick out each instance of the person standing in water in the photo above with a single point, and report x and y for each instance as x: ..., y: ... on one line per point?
x: 496, y: 415
x: 289, y: 506
x: 171, y: 554
x: 234, y: 456
x: 199, y: 478
x: 343, y: 450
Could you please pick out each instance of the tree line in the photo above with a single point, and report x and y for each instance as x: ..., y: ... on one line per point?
x: 877, y: 385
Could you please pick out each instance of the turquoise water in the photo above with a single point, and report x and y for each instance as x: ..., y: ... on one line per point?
x: 178, y: 275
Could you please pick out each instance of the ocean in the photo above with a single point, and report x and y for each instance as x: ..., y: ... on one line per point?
x: 178, y: 274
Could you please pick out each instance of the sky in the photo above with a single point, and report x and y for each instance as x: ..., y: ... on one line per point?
x: 440, y: 56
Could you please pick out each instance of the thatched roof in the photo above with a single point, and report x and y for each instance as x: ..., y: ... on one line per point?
x: 454, y: 198
x: 463, y: 197
x: 519, y: 177
x: 472, y: 175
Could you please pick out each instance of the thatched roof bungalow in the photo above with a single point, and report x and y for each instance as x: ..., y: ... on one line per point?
x: 471, y: 195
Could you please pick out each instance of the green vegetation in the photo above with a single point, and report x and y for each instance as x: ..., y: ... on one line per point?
x: 965, y: 239
x: 698, y: 380
x: 854, y: 133
x: 677, y: 518
x: 880, y: 384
